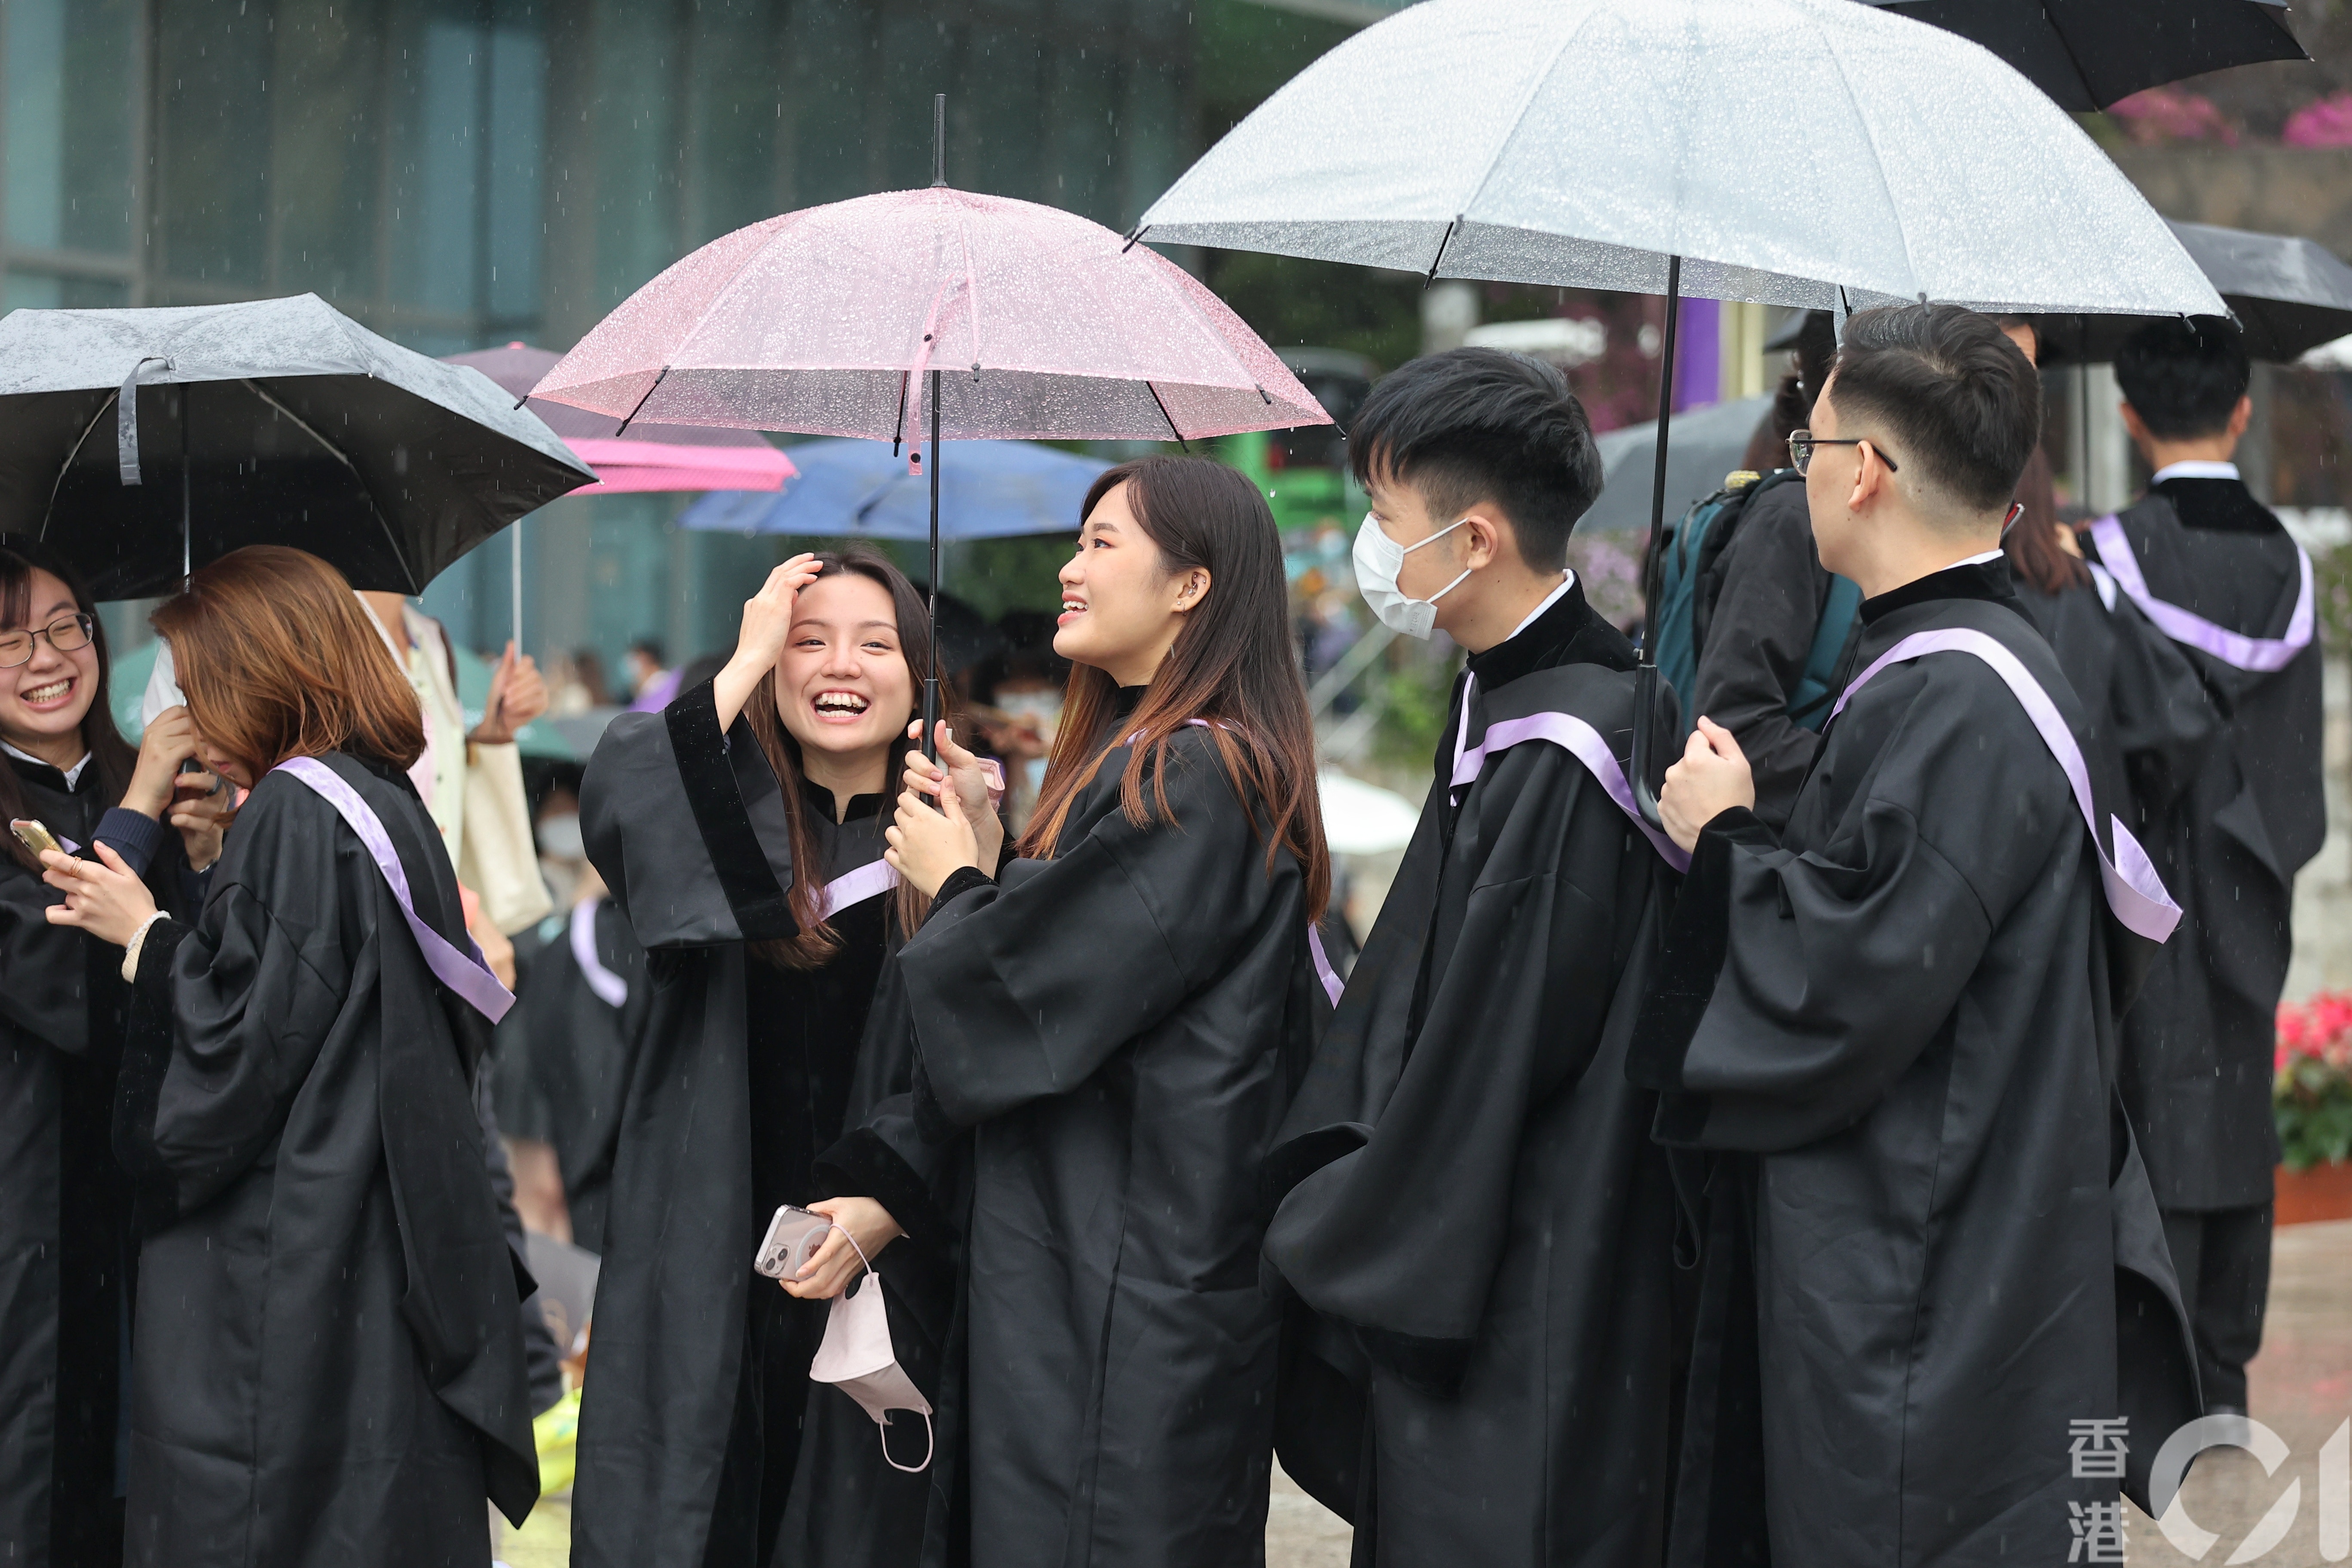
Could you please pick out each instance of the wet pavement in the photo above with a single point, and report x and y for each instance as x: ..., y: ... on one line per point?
x: 2301, y: 1388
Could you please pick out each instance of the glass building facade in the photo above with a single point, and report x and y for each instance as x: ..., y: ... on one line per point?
x: 456, y: 173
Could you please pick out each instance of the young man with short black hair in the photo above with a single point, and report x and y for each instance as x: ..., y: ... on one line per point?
x: 2216, y: 571
x: 1469, y: 1199
x: 1895, y: 1020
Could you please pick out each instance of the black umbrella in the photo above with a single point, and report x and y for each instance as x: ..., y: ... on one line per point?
x: 2289, y: 296
x: 2087, y: 54
x: 275, y: 422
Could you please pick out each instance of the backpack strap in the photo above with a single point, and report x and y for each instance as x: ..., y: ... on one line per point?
x: 1809, y: 704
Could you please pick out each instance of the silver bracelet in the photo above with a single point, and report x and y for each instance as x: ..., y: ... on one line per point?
x: 131, y: 949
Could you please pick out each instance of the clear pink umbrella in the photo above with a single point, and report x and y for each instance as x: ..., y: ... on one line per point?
x: 649, y: 456
x: 987, y: 317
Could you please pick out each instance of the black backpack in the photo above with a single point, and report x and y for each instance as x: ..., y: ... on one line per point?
x: 1691, y: 582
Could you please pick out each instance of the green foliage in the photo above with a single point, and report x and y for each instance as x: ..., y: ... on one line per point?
x: 1415, y: 690
x: 1295, y: 303
x: 2332, y: 585
x: 2313, y: 1103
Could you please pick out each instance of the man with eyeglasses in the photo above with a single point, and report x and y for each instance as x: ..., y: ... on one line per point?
x: 1884, y: 1035
x: 1772, y: 625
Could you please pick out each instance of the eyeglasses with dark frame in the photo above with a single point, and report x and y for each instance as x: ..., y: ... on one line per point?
x: 67, y: 634
x: 1801, y: 444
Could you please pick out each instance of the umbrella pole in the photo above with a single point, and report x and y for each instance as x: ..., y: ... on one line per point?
x: 931, y: 665
x: 516, y: 574
x: 1645, y: 674
x: 187, y: 509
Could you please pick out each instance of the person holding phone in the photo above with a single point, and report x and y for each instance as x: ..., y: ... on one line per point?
x: 1118, y: 1017
x: 66, y: 1242
x: 739, y: 833
x: 328, y: 1356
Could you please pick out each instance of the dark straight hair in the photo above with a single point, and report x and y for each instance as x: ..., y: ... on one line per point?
x: 817, y: 941
x: 1476, y: 425
x: 1234, y: 665
x: 111, y: 756
x: 1948, y: 392
x: 2184, y: 376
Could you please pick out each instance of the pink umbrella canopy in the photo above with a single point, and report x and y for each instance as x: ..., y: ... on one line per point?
x: 648, y: 456
x: 1044, y: 327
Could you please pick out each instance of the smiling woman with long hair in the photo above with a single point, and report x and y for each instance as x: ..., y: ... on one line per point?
x: 740, y: 831
x: 1119, y: 1017
x: 328, y: 1358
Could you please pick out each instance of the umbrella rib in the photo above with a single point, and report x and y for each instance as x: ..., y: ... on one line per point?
x: 1510, y: 128
x: 1181, y: 442
x: 344, y: 457
x: 1878, y: 168
x: 50, y: 509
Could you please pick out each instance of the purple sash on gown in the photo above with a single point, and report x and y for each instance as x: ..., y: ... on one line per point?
x: 2134, y: 892
x: 2261, y: 654
x: 464, y: 972
x: 1573, y: 735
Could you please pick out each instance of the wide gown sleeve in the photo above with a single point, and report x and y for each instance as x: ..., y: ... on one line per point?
x: 687, y: 827
x: 256, y: 987
x: 1796, y: 988
x: 1021, y: 988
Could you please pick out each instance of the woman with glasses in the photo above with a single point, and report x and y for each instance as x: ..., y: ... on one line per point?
x: 67, y: 1243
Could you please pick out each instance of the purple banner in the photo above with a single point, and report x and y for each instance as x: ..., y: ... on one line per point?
x: 2135, y: 892
x: 610, y: 988
x: 464, y: 972
x: 2265, y: 654
x: 1574, y: 736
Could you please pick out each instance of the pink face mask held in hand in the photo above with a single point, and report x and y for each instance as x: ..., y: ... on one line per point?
x: 856, y: 1358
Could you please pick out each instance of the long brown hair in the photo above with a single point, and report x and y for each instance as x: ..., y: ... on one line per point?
x: 279, y: 659
x: 2031, y: 542
x: 1234, y: 665
x: 817, y: 941
x: 112, y: 757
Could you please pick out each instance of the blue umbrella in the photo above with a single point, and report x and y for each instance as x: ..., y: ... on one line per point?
x: 993, y: 490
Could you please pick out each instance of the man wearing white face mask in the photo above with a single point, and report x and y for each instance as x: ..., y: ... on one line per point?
x: 1493, y: 1254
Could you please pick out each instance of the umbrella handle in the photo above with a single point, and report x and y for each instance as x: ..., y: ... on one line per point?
x: 1645, y: 675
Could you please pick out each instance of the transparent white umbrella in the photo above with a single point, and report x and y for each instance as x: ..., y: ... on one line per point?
x: 1807, y: 152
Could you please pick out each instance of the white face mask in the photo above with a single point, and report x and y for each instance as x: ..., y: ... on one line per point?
x: 857, y: 1357
x: 1378, y: 560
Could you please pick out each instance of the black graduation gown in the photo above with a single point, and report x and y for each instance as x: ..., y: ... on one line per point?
x: 578, y: 1046
x: 2198, y: 1049
x: 2147, y: 727
x: 693, y: 1408
x: 1905, y: 1005
x: 67, y: 1247
x: 1121, y: 1027
x: 1493, y: 1228
x: 329, y: 1364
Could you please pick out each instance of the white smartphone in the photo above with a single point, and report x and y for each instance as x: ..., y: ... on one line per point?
x: 792, y: 1239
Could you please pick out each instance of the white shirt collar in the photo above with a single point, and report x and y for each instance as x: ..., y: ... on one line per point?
x: 1980, y: 558
x: 2194, y: 468
x: 1566, y: 580
x: 73, y: 774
